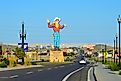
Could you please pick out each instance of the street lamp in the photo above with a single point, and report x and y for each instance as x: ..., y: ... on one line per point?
x: 119, y: 21
x: 114, y: 50
x: 115, y: 47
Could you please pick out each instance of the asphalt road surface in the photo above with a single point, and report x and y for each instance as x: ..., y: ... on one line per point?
x: 47, y: 73
x: 50, y: 72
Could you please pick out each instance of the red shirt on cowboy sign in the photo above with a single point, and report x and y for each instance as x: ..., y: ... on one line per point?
x: 55, y: 25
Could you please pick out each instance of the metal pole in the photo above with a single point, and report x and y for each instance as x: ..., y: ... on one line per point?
x: 119, y: 21
x: 23, y: 35
x: 119, y: 43
x: 105, y: 47
x: 103, y: 56
x: 105, y: 60
x: 114, y: 50
x: 116, y: 43
x: 116, y: 46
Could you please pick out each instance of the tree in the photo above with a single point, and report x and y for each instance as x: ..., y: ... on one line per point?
x: 19, y: 52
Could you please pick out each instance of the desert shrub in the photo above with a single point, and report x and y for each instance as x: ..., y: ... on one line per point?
x: 6, y: 61
x: 120, y: 72
x: 114, y: 67
x: 3, y: 64
x: 67, y: 59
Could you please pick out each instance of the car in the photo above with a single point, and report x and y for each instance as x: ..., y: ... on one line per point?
x: 82, y: 62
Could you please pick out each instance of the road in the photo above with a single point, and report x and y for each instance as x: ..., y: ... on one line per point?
x: 49, y: 72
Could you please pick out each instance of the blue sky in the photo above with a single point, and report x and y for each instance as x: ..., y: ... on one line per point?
x: 88, y: 21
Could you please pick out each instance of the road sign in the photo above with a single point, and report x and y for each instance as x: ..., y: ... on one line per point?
x: 25, y: 46
x: 106, y: 54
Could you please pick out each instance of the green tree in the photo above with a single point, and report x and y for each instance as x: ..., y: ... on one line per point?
x: 19, y: 53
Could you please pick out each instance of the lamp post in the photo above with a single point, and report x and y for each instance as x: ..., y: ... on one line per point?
x: 114, y: 50
x: 119, y: 21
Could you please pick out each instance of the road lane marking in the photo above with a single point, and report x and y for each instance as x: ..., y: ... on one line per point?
x: 61, y: 66
x: 14, y: 76
x: 4, y: 77
x: 39, y: 70
x: 29, y: 72
x: 66, y: 77
x: 49, y: 68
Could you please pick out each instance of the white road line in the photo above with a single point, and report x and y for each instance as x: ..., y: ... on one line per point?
x: 88, y: 79
x: 65, y: 78
x: 49, y: 68
x: 39, y: 70
x: 29, y: 72
x: 4, y: 77
x: 61, y: 66
x: 14, y: 76
x: 55, y: 67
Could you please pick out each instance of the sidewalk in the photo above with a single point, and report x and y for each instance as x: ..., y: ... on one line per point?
x: 103, y: 74
x: 21, y: 67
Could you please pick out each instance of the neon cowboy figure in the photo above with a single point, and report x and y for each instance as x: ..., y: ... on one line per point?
x: 56, y: 28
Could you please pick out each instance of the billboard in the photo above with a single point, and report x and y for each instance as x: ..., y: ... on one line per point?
x: 25, y: 46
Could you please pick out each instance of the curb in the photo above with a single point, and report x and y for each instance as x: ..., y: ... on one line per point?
x: 88, y: 79
x: 89, y: 73
x: 94, y: 74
